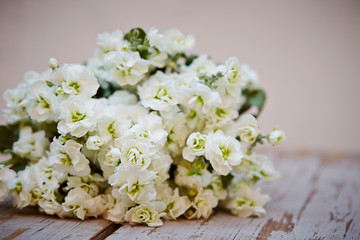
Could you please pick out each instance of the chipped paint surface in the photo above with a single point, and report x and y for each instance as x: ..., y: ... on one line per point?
x: 285, y: 224
x: 318, y: 197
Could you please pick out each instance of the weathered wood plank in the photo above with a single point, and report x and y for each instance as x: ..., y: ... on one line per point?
x: 316, y: 198
x: 29, y: 224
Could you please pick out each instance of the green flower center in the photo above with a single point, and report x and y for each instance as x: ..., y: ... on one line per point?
x: 43, y: 102
x: 66, y: 160
x: 225, y: 152
x: 75, y: 86
x: 78, y: 116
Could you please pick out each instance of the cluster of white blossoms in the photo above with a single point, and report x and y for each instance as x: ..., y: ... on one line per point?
x: 142, y: 132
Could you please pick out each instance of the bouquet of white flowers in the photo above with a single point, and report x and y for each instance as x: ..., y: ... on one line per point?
x: 142, y: 131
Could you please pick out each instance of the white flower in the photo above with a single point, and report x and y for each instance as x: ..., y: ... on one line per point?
x: 6, y: 176
x: 223, y: 152
x: 156, y: 58
x: 203, y: 205
x: 117, y: 208
x: 159, y: 93
x: 216, y: 186
x: 43, y: 104
x: 88, y: 183
x: 195, y: 146
x: 247, y: 128
x: 201, y: 65
x: 138, y: 153
x: 203, y: 98
x: 129, y: 181
x: 161, y: 166
x: 126, y: 68
x: 249, y: 76
x: 31, y: 145
x: 75, y: 79
x: 154, y: 37
x: 175, y: 125
x: 124, y: 97
x: 276, y: 136
x: 147, y: 127
x: 53, y: 63
x: 114, y: 122
x: 174, y: 41
x: 176, y: 205
x: 68, y: 157
x: 16, y: 103
x: 107, y: 42
x: 184, y: 177
x: 144, y: 131
x: 263, y: 168
x: 82, y: 205
x: 232, y: 74
x: 220, y: 117
x: 248, y: 202
x: 113, y: 157
x: 147, y: 213
x: 21, y: 186
x: 94, y: 142
x: 79, y: 115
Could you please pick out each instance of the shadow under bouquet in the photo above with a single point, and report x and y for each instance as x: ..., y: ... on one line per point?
x: 142, y: 131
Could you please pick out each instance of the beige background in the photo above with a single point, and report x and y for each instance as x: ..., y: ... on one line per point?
x: 307, y: 53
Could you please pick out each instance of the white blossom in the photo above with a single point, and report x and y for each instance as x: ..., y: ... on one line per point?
x: 137, y: 185
x: 223, y: 152
x: 154, y: 37
x: 142, y: 131
x: 203, y: 205
x: 79, y: 115
x: 147, y: 213
x: 176, y: 205
x: 126, y: 68
x: 122, y: 96
x: 43, y: 104
x: 174, y: 41
x: 79, y: 203
x: 247, y: 128
x: 67, y: 157
x: 117, y: 208
x: 74, y: 79
x: 202, y: 98
x: 53, y: 63
x: 248, y: 202
x: 16, y: 103
x: 94, y: 142
x: 107, y: 42
x: 201, y: 65
x: 195, y: 146
x: 31, y: 145
x: 184, y: 177
x: 159, y: 93
x: 6, y: 176
x: 113, y: 157
x: 138, y: 153
x: 276, y: 136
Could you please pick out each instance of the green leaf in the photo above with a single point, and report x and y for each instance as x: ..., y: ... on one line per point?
x: 8, y: 135
x: 226, y: 180
x: 138, y: 41
x: 17, y: 163
x: 254, y: 97
x: 190, y: 59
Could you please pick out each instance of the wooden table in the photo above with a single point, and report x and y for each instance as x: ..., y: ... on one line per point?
x: 317, y: 197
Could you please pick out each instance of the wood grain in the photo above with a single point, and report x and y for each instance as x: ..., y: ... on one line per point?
x: 29, y: 224
x: 317, y: 197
